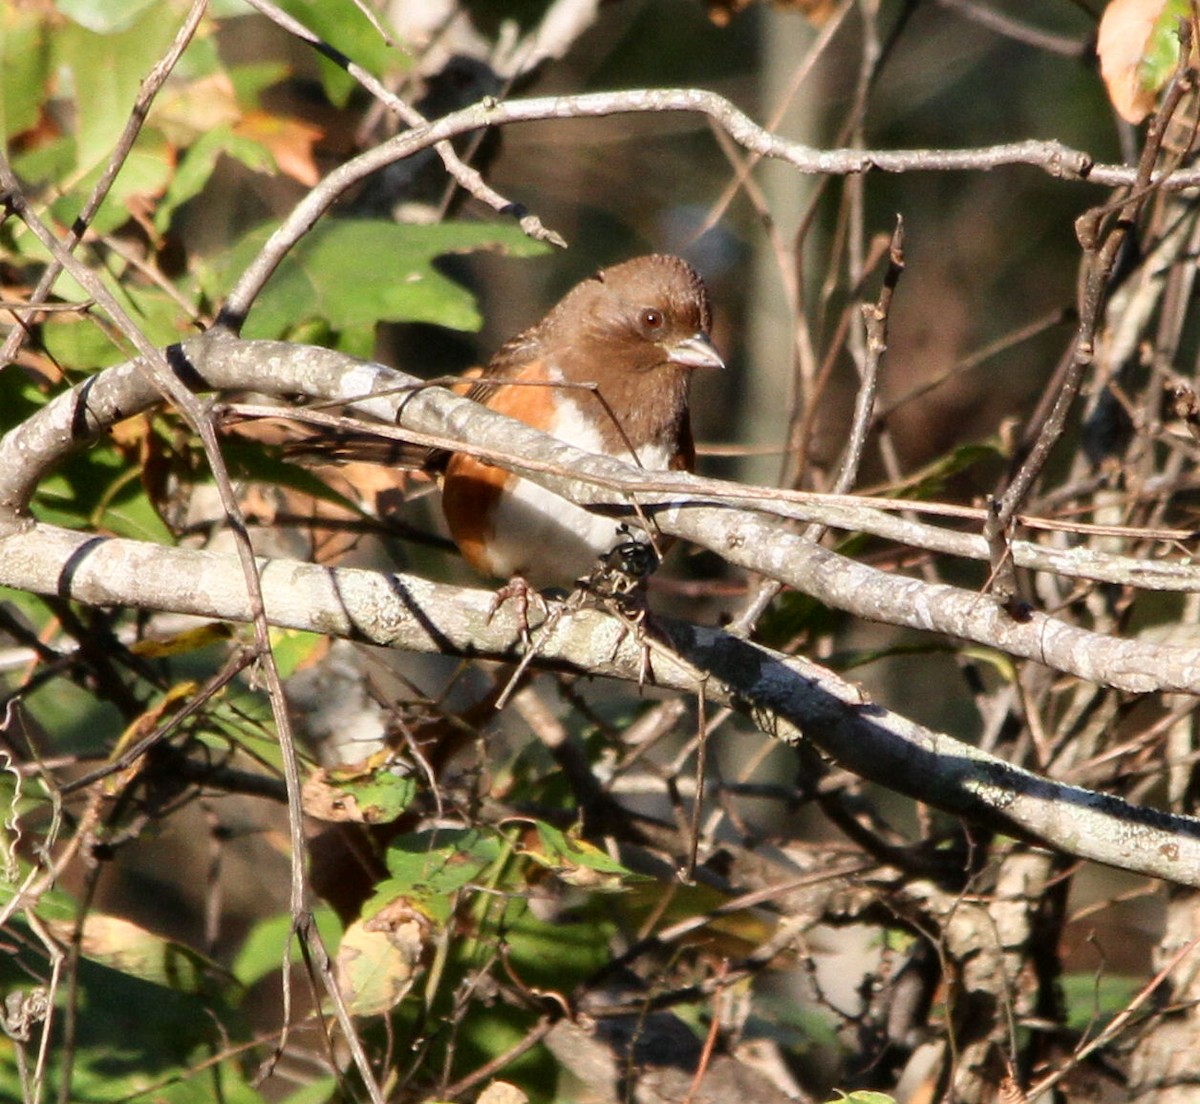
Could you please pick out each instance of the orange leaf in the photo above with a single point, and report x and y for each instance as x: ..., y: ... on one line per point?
x: 184, y: 111
x: 289, y: 141
x: 1125, y: 29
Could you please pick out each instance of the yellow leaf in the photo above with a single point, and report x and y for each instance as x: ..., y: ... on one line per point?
x: 378, y: 958
x: 289, y: 141
x: 122, y: 945
x: 190, y: 640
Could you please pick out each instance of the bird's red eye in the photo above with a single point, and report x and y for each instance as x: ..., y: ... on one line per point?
x: 652, y: 319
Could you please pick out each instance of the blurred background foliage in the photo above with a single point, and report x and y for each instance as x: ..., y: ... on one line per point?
x: 172, y: 922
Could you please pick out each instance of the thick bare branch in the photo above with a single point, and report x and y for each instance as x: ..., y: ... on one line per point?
x: 681, y: 506
x: 788, y: 698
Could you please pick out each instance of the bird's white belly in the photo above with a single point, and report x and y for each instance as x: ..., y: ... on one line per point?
x: 544, y: 538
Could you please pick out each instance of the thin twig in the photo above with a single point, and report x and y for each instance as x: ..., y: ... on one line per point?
x: 467, y: 177
x: 742, y: 172
x: 1051, y: 157
x: 1100, y: 257
x: 157, y: 369
x: 1116, y: 1025
x: 1006, y: 25
x: 875, y: 319
x: 237, y: 663
x: 490, y: 1068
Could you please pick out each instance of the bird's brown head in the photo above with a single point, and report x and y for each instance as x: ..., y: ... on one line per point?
x: 634, y: 332
x: 607, y: 370
x: 648, y: 313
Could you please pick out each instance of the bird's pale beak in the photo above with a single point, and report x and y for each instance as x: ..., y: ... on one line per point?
x: 694, y: 352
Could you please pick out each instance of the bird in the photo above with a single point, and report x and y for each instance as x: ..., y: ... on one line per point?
x: 609, y: 370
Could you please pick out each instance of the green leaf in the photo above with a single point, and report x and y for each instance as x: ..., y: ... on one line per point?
x: 292, y: 647
x: 930, y: 480
x: 559, y: 847
x: 1092, y: 1001
x: 144, y: 176
x: 150, y: 306
x: 385, y: 796
x: 103, y: 16
x: 1161, y: 56
x: 250, y: 80
x: 130, y: 513
x: 353, y: 273
x: 24, y: 68
x: 576, y: 861
x: 80, y: 344
x: 379, y: 958
x: 137, y: 1040
x: 31, y: 608
x: 97, y: 490
x: 319, y: 1092
x: 50, y: 905
x: 367, y: 793
x: 43, y: 164
x: 105, y: 73
x: 69, y: 495
x: 19, y: 397
x: 247, y: 725
x: 556, y: 954
x: 1001, y: 662
x: 130, y: 949
x: 262, y: 951
x: 342, y: 24
x: 81, y: 724
x: 428, y: 868
x: 442, y: 861
x: 198, y: 163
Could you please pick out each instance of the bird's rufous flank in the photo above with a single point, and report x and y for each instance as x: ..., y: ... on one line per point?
x: 607, y: 370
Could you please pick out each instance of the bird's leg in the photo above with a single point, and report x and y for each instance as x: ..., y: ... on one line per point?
x: 518, y: 591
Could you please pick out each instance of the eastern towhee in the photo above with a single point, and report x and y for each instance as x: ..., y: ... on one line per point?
x: 632, y: 333
x: 607, y: 370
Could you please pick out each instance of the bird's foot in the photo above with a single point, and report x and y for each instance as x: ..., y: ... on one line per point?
x: 518, y: 591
